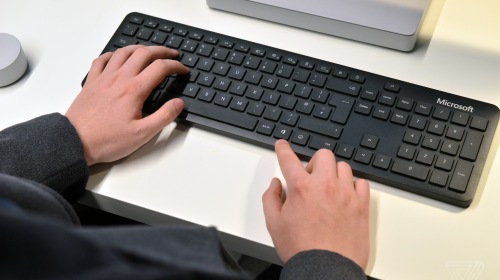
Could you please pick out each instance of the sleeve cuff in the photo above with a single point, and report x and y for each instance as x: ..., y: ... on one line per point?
x: 321, y: 264
x: 46, y: 150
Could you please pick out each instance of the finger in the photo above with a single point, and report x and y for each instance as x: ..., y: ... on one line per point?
x: 323, y: 162
x: 165, y: 115
x: 344, y: 172
x: 98, y: 65
x: 156, y: 72
x: 363, y: 190
x: 120, y: 56
x: 271, y: 202
x: 290, y: 164
x: 142, y: 57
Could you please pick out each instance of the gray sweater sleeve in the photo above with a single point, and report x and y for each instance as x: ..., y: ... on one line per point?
x: 320, y: 264
x: 46, y: 150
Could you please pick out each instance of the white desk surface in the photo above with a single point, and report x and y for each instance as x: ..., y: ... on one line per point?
x: 187, y: 174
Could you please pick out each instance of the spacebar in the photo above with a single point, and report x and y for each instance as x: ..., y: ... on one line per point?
x: 221, y: 114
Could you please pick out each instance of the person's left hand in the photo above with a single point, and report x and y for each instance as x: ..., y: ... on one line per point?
x: 107, y: 114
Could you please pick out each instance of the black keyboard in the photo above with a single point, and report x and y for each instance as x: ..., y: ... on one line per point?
x: 404, y: 135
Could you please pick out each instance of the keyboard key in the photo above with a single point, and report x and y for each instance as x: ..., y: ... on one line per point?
x: 318, y: 142
x: 441, y: 113
x: 271, y: 98
x: 300, y: 138
x: 236, y: 58
x: 207, y: 95
x: 418, y: 122
x: 382, y: 161
x: 461, y: 176
x: 306, y: 64
x: 460, y: 118
x: 272, y: 113
x: 369, y: 141
x: 326, y: 129
x: 144, y: 33
x: 256, y: 109
x: 268, y: 67
x: 387, y: 99
x: 252, y: 63
x: 303, y: 91
x: 399, y: 118
x: 323, y: 69
x: 191, y: 90
x: 284, y: 71
x: 423, y: 109
x: 340, y: 73
x: 412, y: 137
x: 254, y: 93
x: 431, y: 142
x: 425, y: 157
x: 455, y: 132
x: 238, y: 89
x: 357, y: 78
x: 381, y: 113
x: 369, y: 93
x: 390, y: 86
x: 130, y: 30
x: 450, y: 147
x: 436, y: 127
x: 239, y: 104
x: 305, y: 107
x: 258, y: 52
x: 439, y: 178
x: 410, y: 169
x: 159, y: 38
x: 444, y: 162
x: 320, y: 95
x: 286, y: 86
x: 471, y: 146
x: 344, y: 87
x: 479, y: 123
x: 290, y: 60
x: 283, y: 132
x: 289, y: 118
x: 174, y: 42
x: 206, y: 79
x: 363, y: 108
x: 265, y: 127
x: 237, y: 73
x: 222, y: 99
x: 343, y: 107
x: 317, y: 80
x: 407, y: 152
x: 405, y: 103
x: 363, y: 156
x: 322, y: 112
x: 221, y: 114
x: 253, y: 78
x: 288, y: 102
x: 345, y: 151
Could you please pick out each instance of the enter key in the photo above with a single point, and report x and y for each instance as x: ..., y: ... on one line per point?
x: 461, y: 176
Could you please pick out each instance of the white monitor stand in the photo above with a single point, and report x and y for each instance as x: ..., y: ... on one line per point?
x: 389, y: 23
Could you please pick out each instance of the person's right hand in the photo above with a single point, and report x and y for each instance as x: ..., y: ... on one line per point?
x: 324, y: 208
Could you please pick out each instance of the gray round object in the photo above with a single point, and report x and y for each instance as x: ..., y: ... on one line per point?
x: 13, y: 62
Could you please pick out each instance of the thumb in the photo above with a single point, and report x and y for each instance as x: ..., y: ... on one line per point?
x: 271, y: 201
x: 165, y: 115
